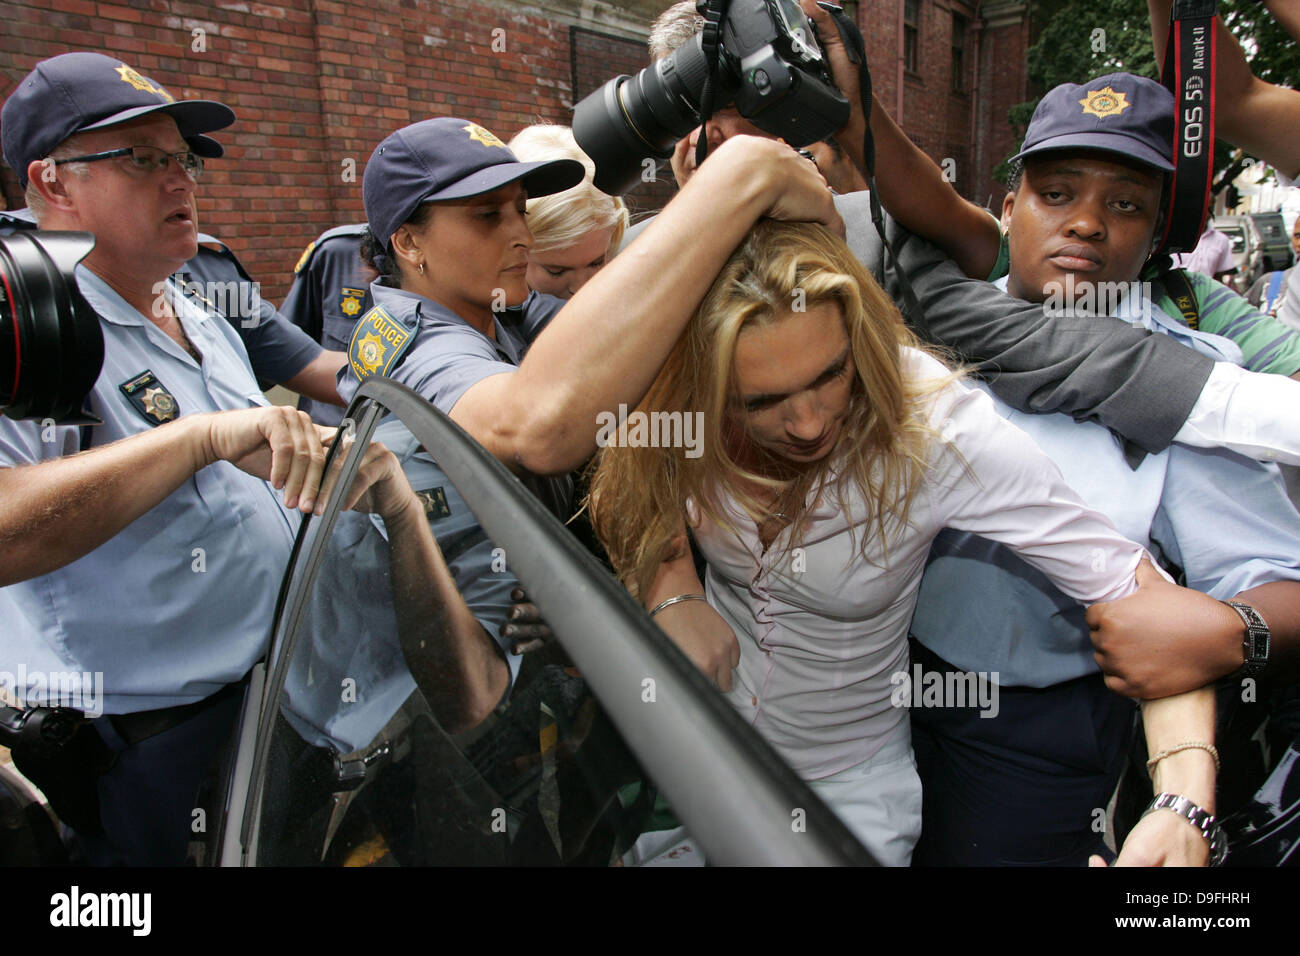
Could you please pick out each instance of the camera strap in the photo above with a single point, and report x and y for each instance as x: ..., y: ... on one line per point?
x: 1189, y: 73
x: 856, y: 49
x: 713, y: 12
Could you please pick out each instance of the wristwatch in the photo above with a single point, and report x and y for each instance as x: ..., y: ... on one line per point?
x: 1203, y: 821
x: 1256, y: 642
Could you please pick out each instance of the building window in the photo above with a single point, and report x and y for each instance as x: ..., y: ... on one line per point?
x: 911, y: 35
x: 958, y: 54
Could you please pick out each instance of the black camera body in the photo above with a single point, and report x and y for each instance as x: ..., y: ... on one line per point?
x: 768, y: 66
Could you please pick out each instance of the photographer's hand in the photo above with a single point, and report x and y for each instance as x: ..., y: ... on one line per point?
x: 845, y: 74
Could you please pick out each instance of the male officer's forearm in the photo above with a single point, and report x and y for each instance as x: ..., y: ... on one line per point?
x: 55, y: 512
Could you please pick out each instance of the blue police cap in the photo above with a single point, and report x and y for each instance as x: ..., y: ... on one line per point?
x: 82, y: 91
x: 1116, y: 113
x: 447, y: 158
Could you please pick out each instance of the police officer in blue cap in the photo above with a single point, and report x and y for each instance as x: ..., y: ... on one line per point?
x: 280, y: 353
x: 1024, y: 774
x: 148, y: 564
x: 527, y: 374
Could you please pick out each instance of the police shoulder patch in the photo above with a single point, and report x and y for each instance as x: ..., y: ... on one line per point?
x: 378, y: 343
x: 305, y: 257
x: 150, y: 398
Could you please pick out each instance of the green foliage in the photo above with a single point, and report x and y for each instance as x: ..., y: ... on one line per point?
x: 1272, y: 54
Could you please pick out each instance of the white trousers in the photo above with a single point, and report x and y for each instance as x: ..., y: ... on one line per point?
x: 880, y: 799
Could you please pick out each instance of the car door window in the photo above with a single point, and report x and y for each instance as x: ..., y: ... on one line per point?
x: 371, y: 751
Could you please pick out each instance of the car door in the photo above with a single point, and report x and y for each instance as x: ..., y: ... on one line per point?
x: 609, y: 747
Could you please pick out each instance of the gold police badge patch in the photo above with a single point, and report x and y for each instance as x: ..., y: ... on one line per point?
x: 350, y: 301
x: 378, y: 343
x: 1104, y: 102
x: 481, y: 135
x: 129, y: 75
x: 150, y: 398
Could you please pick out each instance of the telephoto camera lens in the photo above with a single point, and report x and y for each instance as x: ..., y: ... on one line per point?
x: 51, y: 345
x: 631, y: 118
x: 769, y: 68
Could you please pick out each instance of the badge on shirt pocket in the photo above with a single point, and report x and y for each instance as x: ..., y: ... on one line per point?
x: 435, y: 504
x: 350, y: 301
x: 378, y: 343
x: 150, y: 398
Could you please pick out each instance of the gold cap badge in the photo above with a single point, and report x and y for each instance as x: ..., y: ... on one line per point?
x: 1104, y: 102
x: 481, y: 135
x: 129, y: 75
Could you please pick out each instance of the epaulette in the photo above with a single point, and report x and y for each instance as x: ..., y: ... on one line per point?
x: 353, y: 231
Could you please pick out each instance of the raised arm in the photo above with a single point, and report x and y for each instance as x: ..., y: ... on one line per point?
x: 608, y: 342
x: 909, y: 183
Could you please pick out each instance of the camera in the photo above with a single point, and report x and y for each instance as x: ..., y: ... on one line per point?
x: 769, y: 67
x: 51, y: 345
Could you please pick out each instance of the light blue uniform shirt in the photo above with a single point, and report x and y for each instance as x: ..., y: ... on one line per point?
x: 1226, y: 520
x: 180, y: 602
x: 448, y: 356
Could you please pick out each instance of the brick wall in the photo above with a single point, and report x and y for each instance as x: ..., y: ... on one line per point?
x: 316, y: 85
x: 1003, y: 84
x: 969, y: 128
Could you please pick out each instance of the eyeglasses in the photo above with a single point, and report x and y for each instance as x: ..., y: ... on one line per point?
x: 146, y: 159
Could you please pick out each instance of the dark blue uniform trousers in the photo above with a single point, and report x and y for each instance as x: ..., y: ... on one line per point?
x: 147, y: 798
x: 1028, y: 787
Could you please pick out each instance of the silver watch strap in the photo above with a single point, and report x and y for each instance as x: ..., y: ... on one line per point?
x: 1255, y: 645
x: 1199, y: 818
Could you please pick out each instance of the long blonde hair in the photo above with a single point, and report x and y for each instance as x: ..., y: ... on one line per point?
x: 638, y: 494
